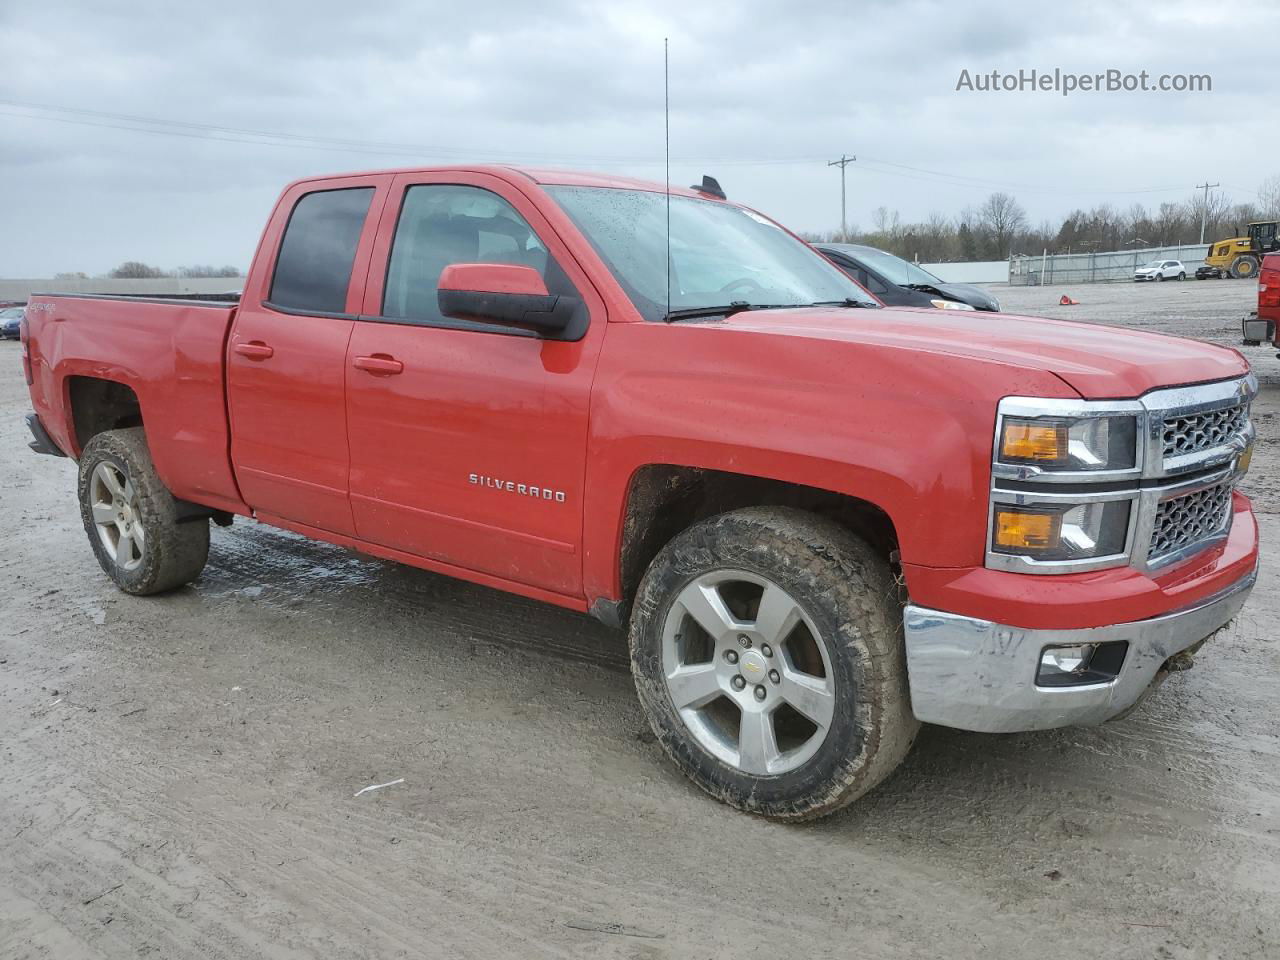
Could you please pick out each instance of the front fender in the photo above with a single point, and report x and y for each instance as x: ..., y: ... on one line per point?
x: 908, y: 432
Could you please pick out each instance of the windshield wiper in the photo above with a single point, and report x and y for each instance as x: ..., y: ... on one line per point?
x: 727, y: 310
x: 739, y: 306
x: 848, y: 302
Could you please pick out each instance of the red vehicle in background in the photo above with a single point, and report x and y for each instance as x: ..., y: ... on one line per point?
x: 822, y: 521
x: 1264, y: 325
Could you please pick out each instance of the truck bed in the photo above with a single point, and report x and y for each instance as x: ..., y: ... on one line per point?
x: 170, y: 352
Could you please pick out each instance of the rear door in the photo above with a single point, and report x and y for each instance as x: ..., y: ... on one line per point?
x: 286, y: 363
x: 468, y: 441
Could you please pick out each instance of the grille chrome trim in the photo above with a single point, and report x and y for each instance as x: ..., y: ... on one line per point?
x: 1156, y: 478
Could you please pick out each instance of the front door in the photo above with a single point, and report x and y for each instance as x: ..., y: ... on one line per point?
x: 286, y: 360
x: 468, y: 444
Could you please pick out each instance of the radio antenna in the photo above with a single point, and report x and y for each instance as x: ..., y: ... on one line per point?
x: 666, y: 125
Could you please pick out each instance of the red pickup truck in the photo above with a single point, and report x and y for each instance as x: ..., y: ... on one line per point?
x: 1263, y: 324
x: 822, y: 521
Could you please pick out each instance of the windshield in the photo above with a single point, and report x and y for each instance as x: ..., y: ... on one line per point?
x: 894, y: 269
x: 10, y: 312
x: 1156, y: 263
x: 721, y: 254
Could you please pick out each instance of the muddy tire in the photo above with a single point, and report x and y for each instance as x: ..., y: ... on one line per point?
x: 767, y: 651
x: 132, y: 519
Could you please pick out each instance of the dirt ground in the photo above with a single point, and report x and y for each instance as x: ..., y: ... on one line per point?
x: 178, y: 775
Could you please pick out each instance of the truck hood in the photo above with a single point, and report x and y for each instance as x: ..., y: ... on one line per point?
x: 1098, y: 362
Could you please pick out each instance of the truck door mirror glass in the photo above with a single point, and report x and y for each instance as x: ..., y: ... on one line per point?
x: 503, y: 293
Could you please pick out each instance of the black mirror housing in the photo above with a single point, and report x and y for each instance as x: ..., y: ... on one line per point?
x: 548, y: 314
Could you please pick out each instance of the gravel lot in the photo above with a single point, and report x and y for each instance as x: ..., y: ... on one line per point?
x: 177, y: 774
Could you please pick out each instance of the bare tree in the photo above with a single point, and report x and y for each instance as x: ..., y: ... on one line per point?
x: 1269, y: 197
x: 208, y: 271
x: 1002, y: 217
x: 887, y: 221
x: 1170, y: 223
x: 134, y: 270
x: 1211, y: 210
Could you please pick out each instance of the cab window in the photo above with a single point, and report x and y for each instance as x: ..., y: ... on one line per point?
x: 313, y: 269
x: 443, y: 224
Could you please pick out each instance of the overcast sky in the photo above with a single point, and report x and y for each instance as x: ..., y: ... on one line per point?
x: 762, y: 95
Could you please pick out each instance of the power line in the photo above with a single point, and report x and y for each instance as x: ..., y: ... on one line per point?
x: 158, y: 126
x: 207, y: 131
x: 958, y: 179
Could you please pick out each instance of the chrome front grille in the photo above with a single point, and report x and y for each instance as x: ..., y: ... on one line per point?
x: 1188, y: 520
x: 1203, y: 431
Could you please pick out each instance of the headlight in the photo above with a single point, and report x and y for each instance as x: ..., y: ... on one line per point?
x: 995, y: 304
x: 1061, y: 532
x: 950, y: 305
x: 1065, y: 443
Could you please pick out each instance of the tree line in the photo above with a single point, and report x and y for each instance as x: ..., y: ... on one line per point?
x: 999, y: 227
x: 136, y: 270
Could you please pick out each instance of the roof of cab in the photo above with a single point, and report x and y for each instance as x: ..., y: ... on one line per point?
x: 544, y: 176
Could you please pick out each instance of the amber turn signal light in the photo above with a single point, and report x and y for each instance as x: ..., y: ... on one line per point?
x: 1027, y: 532
x: 1033, y: 442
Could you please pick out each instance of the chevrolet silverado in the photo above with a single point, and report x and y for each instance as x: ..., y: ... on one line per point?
x: 821, y: 521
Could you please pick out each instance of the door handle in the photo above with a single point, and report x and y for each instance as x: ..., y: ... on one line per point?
x: 379, y: 364
x: 254, y: 350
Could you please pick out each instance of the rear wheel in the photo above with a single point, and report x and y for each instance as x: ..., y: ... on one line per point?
x: 1182, y: 275
x: 767, y: 650
x: 132, y: 519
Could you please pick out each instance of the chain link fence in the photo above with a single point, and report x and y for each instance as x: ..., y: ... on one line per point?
x: 1099, y: 266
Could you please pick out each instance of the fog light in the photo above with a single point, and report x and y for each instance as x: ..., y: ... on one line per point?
x: 1065, y: 659
x: 1081, y: 663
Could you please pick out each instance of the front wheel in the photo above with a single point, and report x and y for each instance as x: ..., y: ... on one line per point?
x: 1160, y: 276
x: 1244, y: 268
x: 767, y: 650
x: 132, y: 519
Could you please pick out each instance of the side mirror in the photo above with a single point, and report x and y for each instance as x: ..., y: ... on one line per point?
x: 503, y: 293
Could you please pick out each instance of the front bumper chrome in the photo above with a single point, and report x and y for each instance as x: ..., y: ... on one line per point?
x: 977, y: 675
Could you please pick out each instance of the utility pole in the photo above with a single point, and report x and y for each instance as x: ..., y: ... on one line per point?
x: 1204, y: 210
x: 844, y: 222
x: 1133, y: 243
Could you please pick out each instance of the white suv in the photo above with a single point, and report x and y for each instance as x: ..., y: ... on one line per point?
x: 1161, y: 270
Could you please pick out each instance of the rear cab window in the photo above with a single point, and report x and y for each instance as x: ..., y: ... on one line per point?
x: 318, y: 250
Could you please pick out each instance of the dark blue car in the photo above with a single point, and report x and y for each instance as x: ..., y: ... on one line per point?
x: 10, y: 319
x: 901, y: 283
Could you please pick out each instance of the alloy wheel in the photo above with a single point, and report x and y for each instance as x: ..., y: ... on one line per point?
x: 748, y: 672
x: 117, y: 515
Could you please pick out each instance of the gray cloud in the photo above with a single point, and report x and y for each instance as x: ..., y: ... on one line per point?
x: 575, y: 84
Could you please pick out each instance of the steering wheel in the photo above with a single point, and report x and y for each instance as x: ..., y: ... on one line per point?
x: 747, y: 283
